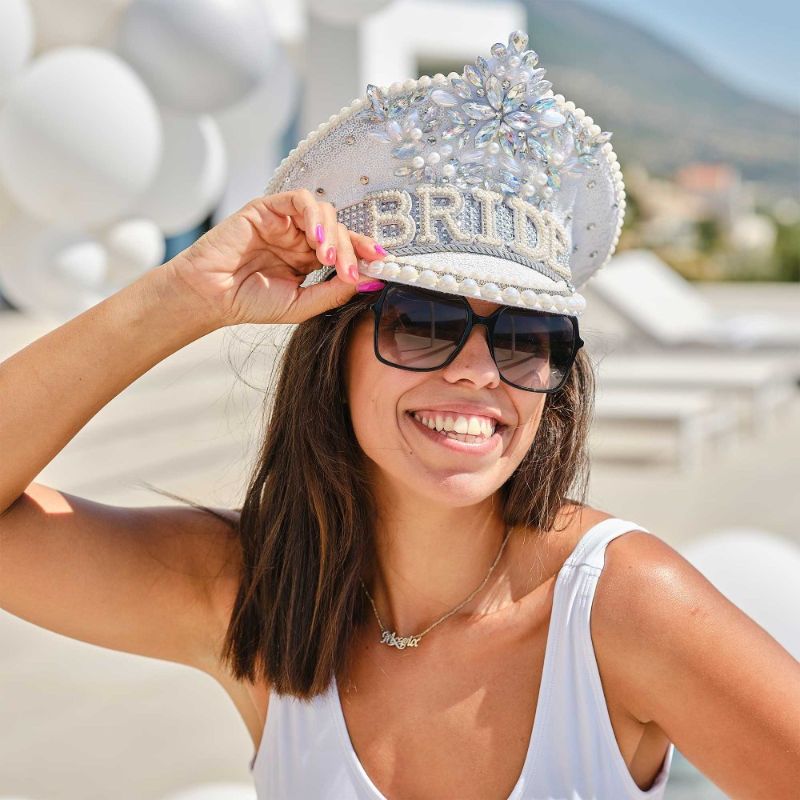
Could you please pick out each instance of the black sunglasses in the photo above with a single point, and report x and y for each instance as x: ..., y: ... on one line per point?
x: 422, y: 330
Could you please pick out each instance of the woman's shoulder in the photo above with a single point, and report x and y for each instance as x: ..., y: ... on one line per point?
x: 689, y: 661
x: 638, y: 567
x: 580, y: 517
x: 538, y: 554
x: 574, y: 520
x: 642, y: 598
x: 571, y: 523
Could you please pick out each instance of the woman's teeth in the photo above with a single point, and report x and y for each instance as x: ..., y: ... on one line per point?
x: 460, y: 427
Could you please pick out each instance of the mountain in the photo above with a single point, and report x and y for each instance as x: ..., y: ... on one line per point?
x: 663, y: 108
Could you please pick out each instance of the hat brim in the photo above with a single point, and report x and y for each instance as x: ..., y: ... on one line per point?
x: 485, y: 277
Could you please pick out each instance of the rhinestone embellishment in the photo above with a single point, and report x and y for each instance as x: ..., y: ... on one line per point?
x: 496, y: 126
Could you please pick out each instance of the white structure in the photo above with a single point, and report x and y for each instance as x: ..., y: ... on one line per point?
x: 389, y: 45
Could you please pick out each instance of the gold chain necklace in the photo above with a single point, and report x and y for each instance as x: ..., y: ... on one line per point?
x: 391, y: 638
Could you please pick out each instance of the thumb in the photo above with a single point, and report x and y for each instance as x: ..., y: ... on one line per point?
x: 324, y: 296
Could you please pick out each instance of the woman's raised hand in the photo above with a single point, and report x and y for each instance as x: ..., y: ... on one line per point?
x: 249, y: 267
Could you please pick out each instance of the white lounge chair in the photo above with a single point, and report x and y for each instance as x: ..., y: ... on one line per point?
x: 694, y: 418
x: 663, y: 306
x: 760, y: 386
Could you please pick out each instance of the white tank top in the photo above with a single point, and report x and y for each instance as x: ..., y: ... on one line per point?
x: 306, y: 754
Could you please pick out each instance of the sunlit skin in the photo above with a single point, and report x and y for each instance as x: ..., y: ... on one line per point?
x: 439, y: 523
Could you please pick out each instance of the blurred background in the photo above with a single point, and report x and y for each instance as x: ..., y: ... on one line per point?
x: 129, y: 127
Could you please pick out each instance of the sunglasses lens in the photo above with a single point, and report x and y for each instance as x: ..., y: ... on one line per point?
x: 420, y: 331
x: 533, y: 350
x: 417, y: 331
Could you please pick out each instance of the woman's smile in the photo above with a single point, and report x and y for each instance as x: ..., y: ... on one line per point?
x: 447, y: 439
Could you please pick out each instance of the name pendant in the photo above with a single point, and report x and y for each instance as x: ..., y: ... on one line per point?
x: 391, y: 639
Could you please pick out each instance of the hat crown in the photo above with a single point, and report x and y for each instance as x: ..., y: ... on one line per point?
x: 498, y: 126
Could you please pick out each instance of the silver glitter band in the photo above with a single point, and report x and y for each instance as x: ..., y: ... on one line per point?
x: 435, y: 218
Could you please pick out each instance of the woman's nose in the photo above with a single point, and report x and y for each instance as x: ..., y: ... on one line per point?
x: 474, y: 361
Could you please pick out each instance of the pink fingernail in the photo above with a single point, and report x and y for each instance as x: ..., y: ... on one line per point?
x: 379, y: 250
x: 370, y: 286
x: 353, y: 270
x: 320, y: 233
x: 330, y: 255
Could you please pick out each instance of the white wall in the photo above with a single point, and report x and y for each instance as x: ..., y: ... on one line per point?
x: 385, y: 47
x: 393, y: 39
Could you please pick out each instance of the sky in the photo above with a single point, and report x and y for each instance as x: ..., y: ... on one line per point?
x: 754, y: 42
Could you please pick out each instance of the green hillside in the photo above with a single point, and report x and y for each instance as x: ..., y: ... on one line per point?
x: 663, y: 108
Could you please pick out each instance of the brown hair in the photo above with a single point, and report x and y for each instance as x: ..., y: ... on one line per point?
x: 306, y: 521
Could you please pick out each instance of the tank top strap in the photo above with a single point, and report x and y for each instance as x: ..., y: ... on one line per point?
x: 576, y: 752
x: 591, y: 549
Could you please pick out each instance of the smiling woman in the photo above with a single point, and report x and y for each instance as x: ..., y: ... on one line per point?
x: 414, y: 600
x: 375, y: 457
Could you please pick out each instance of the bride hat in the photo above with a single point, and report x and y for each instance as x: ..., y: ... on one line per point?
x: 483, y: 184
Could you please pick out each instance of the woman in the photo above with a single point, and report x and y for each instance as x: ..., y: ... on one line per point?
x: 401, y: 608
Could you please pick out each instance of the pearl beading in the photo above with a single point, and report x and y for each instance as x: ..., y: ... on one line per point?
x: 402, y: 271
x: 378, y: 218
x: 488, y: 234
x: 444, y: 211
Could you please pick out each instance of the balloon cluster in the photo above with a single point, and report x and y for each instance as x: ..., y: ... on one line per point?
x: 120, y: 125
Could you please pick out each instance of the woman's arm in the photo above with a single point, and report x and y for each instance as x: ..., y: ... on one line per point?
x: 50, y: 389
x: 154, y: 581
x: 131, y: 579
x: 718, y: 685
x: 248, y: 268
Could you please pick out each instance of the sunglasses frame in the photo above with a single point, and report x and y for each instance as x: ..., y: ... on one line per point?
x: 473, y: 319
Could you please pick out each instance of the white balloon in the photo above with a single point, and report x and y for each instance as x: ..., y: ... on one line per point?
x: 345, y: 12
x: 266, y: 111
x: 197, y: 56
x: 134, y: 246
x: 757, y: 571
x: 16, y: 38
x: 251, y: 130
x: 29, y: 278
x: 191, y: 177
x: 82, y: 263
x: 64, y: 22
x: 80, y: 137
